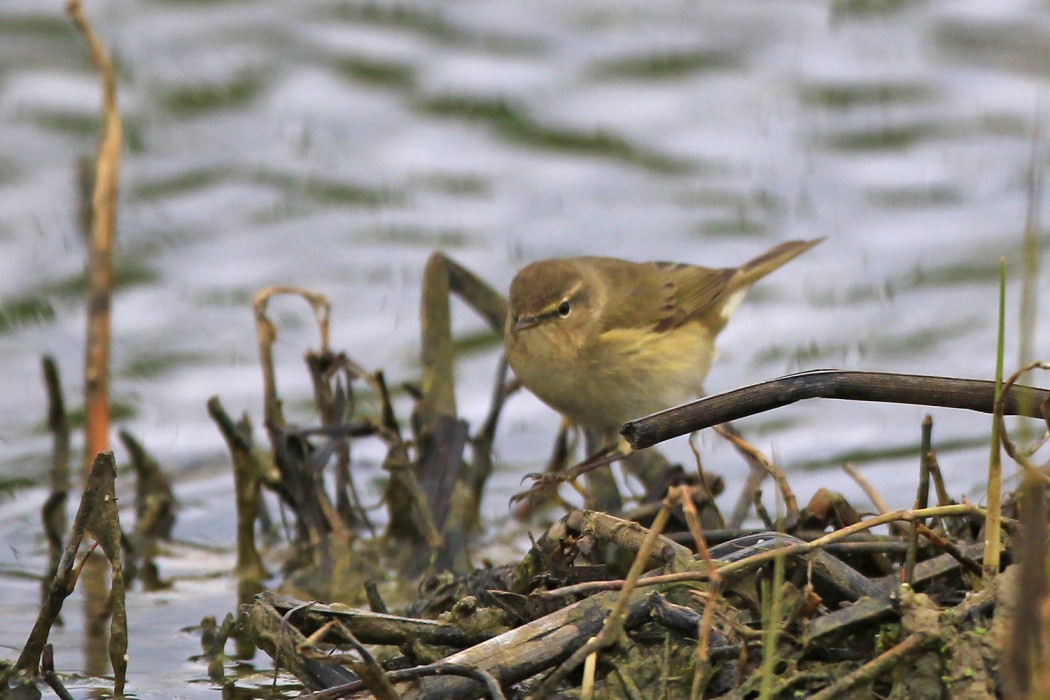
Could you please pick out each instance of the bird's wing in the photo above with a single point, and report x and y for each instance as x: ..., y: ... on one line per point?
x: 697, y: 291
x: 661, y: 296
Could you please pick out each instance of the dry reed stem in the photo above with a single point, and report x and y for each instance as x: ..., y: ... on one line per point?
x: 692, y: 518
x: 266, y: 336
x: 790, y: 502
x: 1030, y: 255
x: 993, y: 525
x: 100, y: 248
x: 867, y: 487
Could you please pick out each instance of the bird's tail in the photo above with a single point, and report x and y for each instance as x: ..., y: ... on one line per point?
x: 754, y: 270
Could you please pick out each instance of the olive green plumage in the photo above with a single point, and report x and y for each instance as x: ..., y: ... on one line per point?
x: 604, y: 340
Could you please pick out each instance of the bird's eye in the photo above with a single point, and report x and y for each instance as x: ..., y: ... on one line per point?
x: 564, y: 308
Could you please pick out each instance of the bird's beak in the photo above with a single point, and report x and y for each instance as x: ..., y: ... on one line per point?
x: 524, y: 321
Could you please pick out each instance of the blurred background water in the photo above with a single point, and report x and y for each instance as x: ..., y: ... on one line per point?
x: 334, y: 144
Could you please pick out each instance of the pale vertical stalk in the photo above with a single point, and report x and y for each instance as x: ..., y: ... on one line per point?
x: 993, y: 523
x: 100, y: 249
x: 1030, y: 255
x: 771, y: 613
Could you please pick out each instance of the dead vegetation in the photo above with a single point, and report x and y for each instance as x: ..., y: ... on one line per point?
x: 660, y: 600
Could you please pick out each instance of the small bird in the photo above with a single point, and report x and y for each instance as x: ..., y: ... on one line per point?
x: 604, y: 340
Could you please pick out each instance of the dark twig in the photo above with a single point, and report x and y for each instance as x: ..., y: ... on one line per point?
x: 47, y: 670
x: 54, y: 511
x: 439, y: 669
x: 922, y: 497
x: 58, y: 424
x: 367, y: 667
x: 951, y: 549
x: 1004, y: 437
x: 948, y: 392
x: 761, y: 512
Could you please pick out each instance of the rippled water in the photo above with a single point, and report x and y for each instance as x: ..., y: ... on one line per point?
x: 335, y: 144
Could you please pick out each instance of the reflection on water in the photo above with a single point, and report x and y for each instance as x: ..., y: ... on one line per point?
x: 335, y: 145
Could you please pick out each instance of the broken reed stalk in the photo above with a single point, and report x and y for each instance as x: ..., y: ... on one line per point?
x: 247, y: 478
x: 442, y: 277
x: 100, y: 247
x: 155, y: 506
x: 943, y: 497
x: 439, y: 396
x: 301, y: 485
x: 992, y: 526
x: 155, y: 514
x: 54, y: 511
x: 590, y: 667
x: 948, y: 392
x: 58, y: 424
x: 96, y: 517
x: 334, y: 398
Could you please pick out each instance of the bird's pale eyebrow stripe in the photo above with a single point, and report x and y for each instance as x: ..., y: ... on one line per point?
x: 552, y: 310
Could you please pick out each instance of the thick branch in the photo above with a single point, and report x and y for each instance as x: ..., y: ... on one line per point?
x: 948, y: 392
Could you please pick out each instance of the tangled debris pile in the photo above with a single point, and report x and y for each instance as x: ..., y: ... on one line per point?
x: 765, y: 613
x: 666, y: 601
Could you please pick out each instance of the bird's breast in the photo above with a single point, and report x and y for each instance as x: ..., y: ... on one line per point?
x: 615, y: 376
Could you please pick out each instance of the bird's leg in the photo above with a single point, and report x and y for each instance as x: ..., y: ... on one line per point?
x: 543, y: 483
